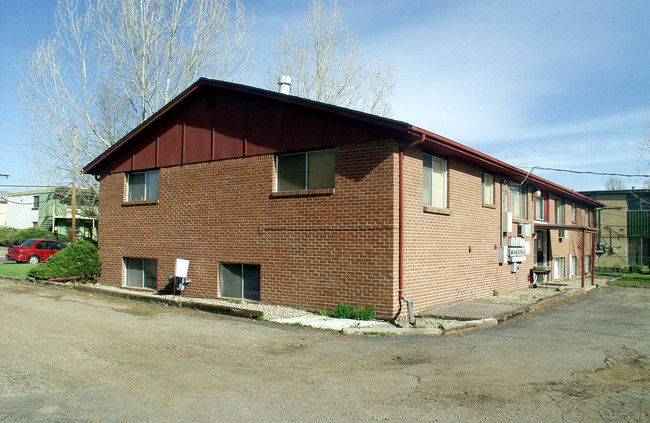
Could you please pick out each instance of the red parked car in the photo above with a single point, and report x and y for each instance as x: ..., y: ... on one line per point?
x: 34, y: 250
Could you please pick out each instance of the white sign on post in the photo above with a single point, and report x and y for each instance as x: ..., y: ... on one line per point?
x: 182, y: 267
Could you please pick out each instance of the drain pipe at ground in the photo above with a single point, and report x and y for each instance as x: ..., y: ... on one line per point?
x: 400, y: 290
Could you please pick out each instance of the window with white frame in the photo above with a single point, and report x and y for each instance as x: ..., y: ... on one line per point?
x: 302, y: 171
x: 434, y: 181
x: 240, y: 281
x: 559, y: 211
x: 518, y: 201
x: 488, y: 188
x: 143, y: 186
x: 573, y: 266
x: 539, y: 208
x: 141, y: 273
x: 558, y: 268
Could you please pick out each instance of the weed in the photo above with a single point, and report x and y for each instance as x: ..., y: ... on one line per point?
x: 495, y: 293
x: 364, y: 313
x: 263, y: 319
x: 345, y: 311
x: 376, y: 333
x: 235, y: 301
x: 296, y: 324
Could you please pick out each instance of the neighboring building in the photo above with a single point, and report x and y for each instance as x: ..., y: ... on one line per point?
x: 290, y: 201
x: 624, y: 225
x: 3, y: 213
x: 51, y: 209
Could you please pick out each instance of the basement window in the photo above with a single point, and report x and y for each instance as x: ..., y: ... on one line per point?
x: 240, y: 281
x: 303, y: 171
x: 143, y: 186
x: 558, y: 268
x: 141, y: 273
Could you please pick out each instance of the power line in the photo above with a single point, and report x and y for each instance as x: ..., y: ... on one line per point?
x: 589, y: 173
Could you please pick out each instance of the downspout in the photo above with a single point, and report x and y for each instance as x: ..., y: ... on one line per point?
x: 400, y: 290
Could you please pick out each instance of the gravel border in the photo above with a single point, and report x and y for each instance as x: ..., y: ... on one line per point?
x: 523, y: 297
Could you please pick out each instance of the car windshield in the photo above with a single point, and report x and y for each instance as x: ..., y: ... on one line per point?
x: 28, y: 244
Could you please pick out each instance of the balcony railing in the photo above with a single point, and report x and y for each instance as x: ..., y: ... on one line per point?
x: 638, y: 223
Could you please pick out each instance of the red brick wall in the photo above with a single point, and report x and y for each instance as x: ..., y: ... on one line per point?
x: 454, y: 255
x: 563, y: 247
x: 314, y: 251
x: 322, y: 250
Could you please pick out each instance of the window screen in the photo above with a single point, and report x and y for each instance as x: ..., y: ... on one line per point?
x: 240, y: 281
x: 310, y: 170
x: 434, y: 181
x: 141, y: 273
x: 518, y: 201
x: 143, y: 186
x: 488, y: 188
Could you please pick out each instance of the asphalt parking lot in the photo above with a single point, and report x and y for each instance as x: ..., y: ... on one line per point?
x: 72, y: 356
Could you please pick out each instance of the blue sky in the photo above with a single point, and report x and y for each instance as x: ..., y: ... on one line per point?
x: 561, y: 84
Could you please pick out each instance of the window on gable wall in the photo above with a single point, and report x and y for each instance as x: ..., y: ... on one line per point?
x: 518, y: 201
x: 301, y: 171
x: 143, y: 186
x: 434, y: 181
x: 559, y: 211
x: 488, y: 188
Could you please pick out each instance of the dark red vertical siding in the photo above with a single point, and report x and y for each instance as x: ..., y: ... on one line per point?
x: 229, y: 126
x: 198, y: 132
x: 264, y: 127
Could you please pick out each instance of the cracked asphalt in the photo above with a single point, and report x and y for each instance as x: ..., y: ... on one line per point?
x: 70, y: 356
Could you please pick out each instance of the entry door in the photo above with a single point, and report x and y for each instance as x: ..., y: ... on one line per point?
x: 541, y: 248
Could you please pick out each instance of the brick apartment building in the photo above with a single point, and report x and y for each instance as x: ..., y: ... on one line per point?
x: 283, y: 200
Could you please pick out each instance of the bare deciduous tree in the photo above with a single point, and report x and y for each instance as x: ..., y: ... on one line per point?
x: 614, y: 183
x: 110, y: 64
x: 325, y: 64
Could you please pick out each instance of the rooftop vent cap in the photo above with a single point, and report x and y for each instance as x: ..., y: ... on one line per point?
x: 284, y: 82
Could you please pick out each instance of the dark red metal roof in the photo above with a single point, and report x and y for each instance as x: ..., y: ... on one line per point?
x: 136, y: 151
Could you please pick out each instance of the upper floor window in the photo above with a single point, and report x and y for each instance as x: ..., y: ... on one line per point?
x: 519, y: 203
x: 37, y: 202
x: 434, y: 181
x: 539, y: 208
x: 301, y: 171
x: 573, y: 211
x: 488, y: 188
x: 588, y: 217
x: 559, y: 211
x: 143, y: 186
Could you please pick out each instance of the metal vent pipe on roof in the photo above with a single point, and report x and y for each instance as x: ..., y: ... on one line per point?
x: 284, y: 82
